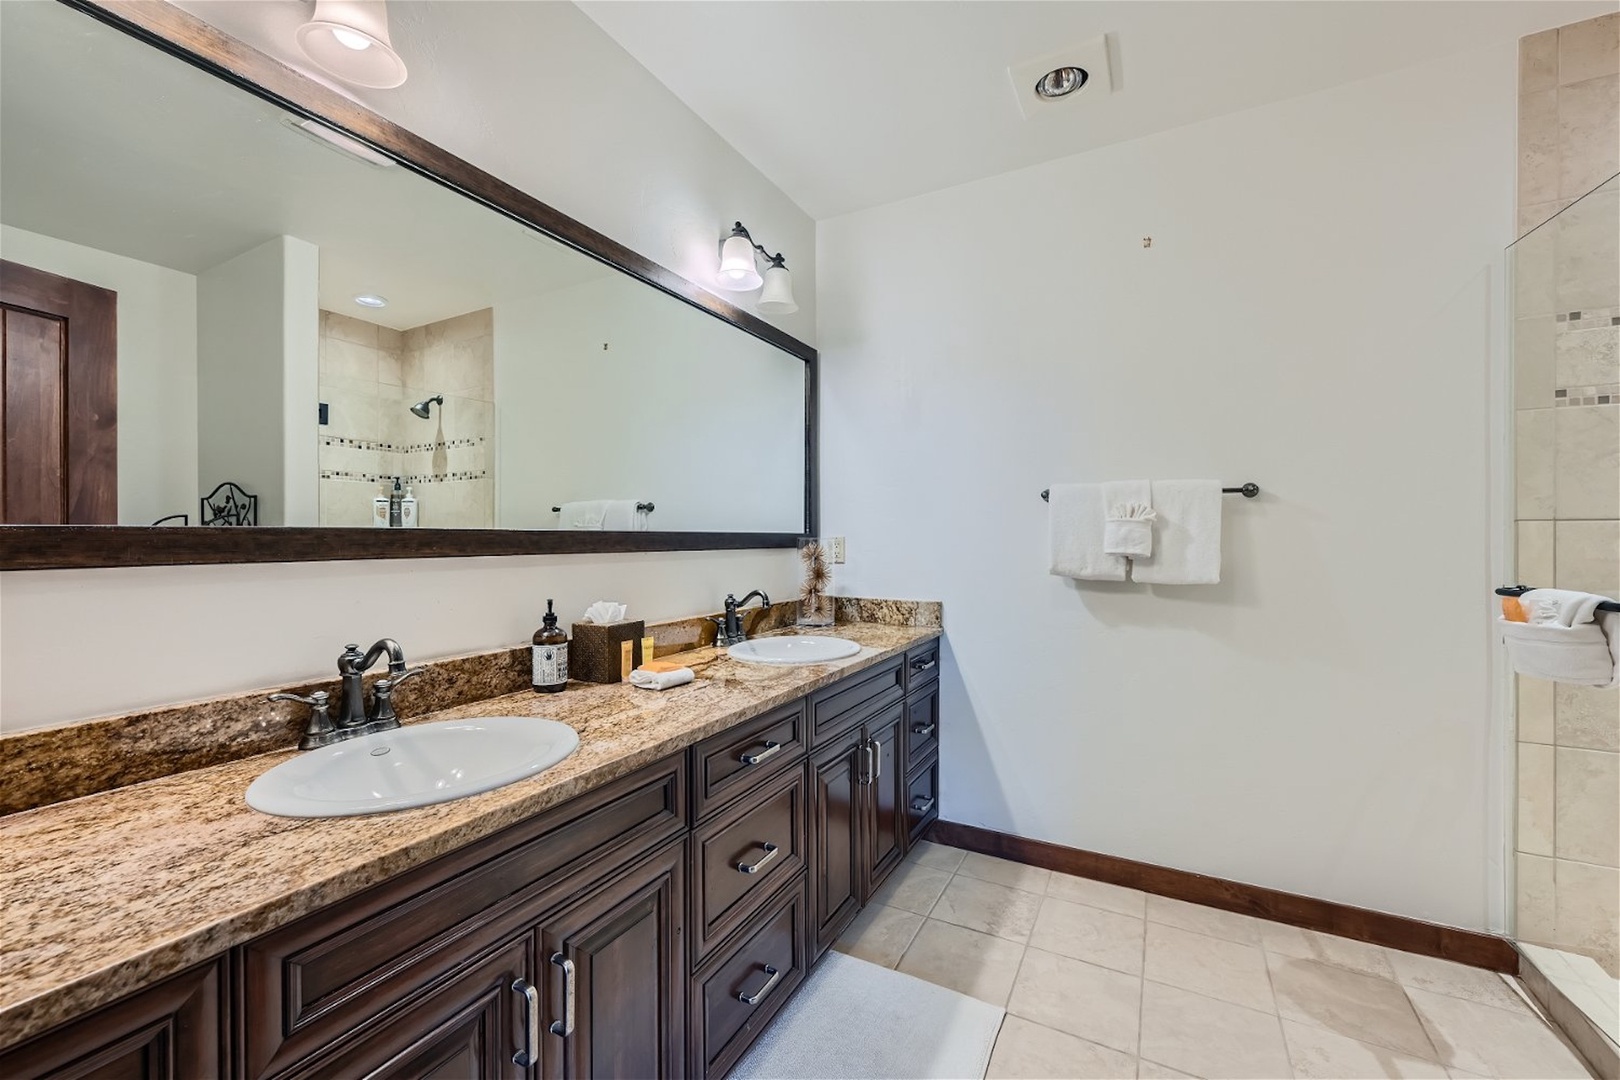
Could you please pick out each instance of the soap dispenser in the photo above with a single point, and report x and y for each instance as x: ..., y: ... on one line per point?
x: 407, y: 509
x: 396, y: 499
x: 550, y: 655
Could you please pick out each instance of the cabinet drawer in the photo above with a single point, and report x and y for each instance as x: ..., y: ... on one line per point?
x: 308, y: 983
x: 734, y: 996
x: 844, y: 704
x: 922, y: 724
x: 730, y: 763
x: 922, y: 665
x: 922, y: 798
x: 743, y: 854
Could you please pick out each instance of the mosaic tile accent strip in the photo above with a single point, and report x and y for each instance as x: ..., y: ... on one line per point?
x: 398, y: 448
x: 1587, y: 395
x: 1588, y: 319
x: 404, y: 478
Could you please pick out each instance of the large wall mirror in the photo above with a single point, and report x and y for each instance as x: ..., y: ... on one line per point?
x: 223, y: 315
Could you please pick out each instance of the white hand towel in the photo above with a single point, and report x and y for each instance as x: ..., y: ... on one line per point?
x: 660, y: 680
x: 1076, y: 519
x: 588, y: 514
x: 1567, y: 639
x: 1128, y: 521
x: 1187, y: 550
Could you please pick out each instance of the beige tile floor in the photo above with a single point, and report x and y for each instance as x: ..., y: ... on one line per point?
x: 1101, y: 981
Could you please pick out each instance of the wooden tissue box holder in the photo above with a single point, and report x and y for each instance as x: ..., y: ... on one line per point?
x: 598, y: 653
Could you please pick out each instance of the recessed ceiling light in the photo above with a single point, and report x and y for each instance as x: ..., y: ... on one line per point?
x: 1061, y: 82
x: 371, y: 300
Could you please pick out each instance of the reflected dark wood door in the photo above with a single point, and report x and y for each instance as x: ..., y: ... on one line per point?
x: 836, y: 834
x: 58, y: 400
x: 626, y: 945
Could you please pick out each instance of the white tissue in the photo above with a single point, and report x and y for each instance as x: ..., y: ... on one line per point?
x: 605, y: 611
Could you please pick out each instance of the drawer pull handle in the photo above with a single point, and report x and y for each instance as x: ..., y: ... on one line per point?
x: 530, y: 1054
x: 877, y: 758
x: 924, y: 665
x: 565, y: 1026
x: 771, y: 852
x: 754, y: 999
x: 922, y: 806
x: 923, y: 729
x: 755, y: 759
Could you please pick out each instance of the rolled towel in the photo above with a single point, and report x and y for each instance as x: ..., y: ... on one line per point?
x: 1128, y: 524
x: 1564, y: 638
x: 660, y: 680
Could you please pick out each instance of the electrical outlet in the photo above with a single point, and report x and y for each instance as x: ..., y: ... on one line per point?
x: 837, y: 549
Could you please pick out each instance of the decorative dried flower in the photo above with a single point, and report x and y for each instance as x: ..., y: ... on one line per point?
x: 816, y: 574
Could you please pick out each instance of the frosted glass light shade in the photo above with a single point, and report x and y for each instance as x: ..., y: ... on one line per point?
x: 737, y: 269
x: 348, y: 39
x: 776, y: 298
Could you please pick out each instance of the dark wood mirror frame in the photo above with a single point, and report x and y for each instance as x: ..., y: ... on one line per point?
x: 46, y: 547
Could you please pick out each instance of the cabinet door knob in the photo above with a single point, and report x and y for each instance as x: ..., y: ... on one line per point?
x: 759, y: 995
x: 754, y: 868
x: 755, y: 759
x: 565, y: 1026
x: 530, y: 1054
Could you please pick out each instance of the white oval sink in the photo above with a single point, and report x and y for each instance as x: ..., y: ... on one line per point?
x: 412, y: 766
x: 805, y: 649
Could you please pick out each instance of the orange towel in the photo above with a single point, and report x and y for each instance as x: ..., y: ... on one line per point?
x: 660, y: 667
x: 1513, y: 611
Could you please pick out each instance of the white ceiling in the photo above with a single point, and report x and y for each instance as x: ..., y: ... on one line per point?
x: 850, y: 105
x: 106, y: 142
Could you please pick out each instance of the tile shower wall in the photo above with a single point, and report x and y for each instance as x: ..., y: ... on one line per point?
x: 370, y: 376
x: 1566, y: 275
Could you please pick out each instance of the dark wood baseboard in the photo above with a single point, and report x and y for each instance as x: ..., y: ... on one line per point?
x: 1470, y: 947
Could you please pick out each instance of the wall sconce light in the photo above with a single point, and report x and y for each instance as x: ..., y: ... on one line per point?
x: 739, y: 272
x: 348, y: 39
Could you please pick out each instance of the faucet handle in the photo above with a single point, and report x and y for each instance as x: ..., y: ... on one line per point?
x: 382, y: 696
x: 318, y: 731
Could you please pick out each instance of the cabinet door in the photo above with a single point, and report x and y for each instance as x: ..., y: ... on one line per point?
x: 837, y: 796
x: 885, y: 814
x: 170, y: 1030
x: 469, y: 1026
x: 617, y: 976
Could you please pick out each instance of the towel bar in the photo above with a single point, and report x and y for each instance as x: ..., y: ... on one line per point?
x: 641, y: 508
x: 1520, y: 590
x: 1248, y: 491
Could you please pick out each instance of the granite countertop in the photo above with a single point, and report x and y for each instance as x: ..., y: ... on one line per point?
x: 105, y: 894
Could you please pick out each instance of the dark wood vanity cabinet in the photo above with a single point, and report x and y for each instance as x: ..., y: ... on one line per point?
x: 173, y: 1030
x: 650, y: 928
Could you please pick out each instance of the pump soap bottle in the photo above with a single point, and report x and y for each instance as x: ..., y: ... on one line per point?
x: 550, y: 655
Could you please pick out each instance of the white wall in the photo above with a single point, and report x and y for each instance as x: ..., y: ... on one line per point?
x: 157, y: 369
x: 651, y: 417
x: 1319, y: 312
x: 557, y: 108
x: 257, y: 373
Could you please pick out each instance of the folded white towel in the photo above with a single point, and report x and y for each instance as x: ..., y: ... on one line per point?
x: 587, y: 514
x: 1187, y: 549
x: 1128, y: 520
x: 1567, y: 639
x: 622, y: 516
x: 1076, y: 522
x: 660, y: 680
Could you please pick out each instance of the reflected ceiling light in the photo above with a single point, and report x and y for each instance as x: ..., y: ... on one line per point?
x: 371, y: 300
x: 348, y: 39
x: 739, y: 272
